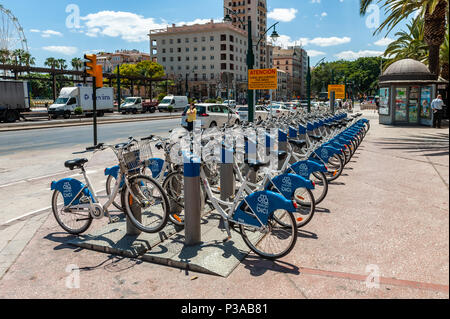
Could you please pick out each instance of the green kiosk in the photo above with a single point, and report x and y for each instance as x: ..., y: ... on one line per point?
x: 407, y: 88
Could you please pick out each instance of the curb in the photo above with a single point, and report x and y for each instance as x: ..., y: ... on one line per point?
x: 85, y: 123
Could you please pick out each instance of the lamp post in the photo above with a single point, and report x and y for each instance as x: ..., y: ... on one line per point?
x: 250, y: 54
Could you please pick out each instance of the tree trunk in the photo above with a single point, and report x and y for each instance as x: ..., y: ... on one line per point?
x: 434, y: 32
x: 444, y: 71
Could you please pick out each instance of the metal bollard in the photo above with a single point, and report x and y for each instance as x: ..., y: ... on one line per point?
x: 192, y: 200
x: 282, y: 145
x: 137, y: 213
x: 227, y: 178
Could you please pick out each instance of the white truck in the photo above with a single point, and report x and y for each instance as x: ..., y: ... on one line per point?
x: 14, y: 100
x: 71, y: 98
x: 178, y: 103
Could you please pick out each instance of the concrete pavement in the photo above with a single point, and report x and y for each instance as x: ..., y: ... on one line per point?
x: 382, y: 232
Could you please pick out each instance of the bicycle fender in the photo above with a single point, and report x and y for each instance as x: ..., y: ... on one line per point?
x: 306, y: 168
x: 263, y: 205
x: 112, y: 171
x: 70, y: 188
x: 155, y: 166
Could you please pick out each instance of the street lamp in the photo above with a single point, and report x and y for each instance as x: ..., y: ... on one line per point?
x: 250, y: 54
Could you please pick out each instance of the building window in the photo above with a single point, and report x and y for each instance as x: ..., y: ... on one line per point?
x: 231, y: 66
x: 211, y: 48
x: 223, y: 47
x: 186, y: 40
x: 195, y: 49
x: 211, y: 38
x: 212, y: 66
x: 171, y: 59
x: 211, y: 57
x: 178, y: 40
x: 203, y: 67
x: 223, y: 57
x: 179, y: 50
x: 212, y: 76
x: 171, y: 41
x: 203, y: 58
x: 187, y: 58
x: 195, y: 58
x: 164, y: 59
x: 231, y: 38
x: 231, y: 57
x: 223, y: 37
x: 179, y: 59
x: 171, y: 50
x: 195, y: 39
x: 204, y: 77
x: 203, y: 49
x: 187, y: 67
x: 163, y: 51
x: 203, y: 39
x: 223, y: 66
x: 231, y: 48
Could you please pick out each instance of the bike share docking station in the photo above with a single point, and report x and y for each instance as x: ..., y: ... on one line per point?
x: 202, y: 246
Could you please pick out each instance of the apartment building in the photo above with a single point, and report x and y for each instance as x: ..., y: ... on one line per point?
x: 110, y: 61
x: 281, y: 93
x: 293, y: 61
x: 256, y: 12
x: 200, y: 55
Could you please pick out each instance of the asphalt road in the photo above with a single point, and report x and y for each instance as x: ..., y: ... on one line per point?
x: 56, y: 138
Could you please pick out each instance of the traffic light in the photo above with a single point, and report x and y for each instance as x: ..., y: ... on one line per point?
x: 98, y: 76
x: 93, y: 69
x: 90, y: 66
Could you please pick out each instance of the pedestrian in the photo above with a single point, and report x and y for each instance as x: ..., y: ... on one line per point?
x: 436, y: 106
x: 377, y: 102
x: 191, y: 117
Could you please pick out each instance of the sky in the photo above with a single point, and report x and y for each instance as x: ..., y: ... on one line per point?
x: 330, y: 29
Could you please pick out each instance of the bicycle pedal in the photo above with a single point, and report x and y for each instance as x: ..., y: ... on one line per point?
x: 227, y: 239
x: 114, y: 220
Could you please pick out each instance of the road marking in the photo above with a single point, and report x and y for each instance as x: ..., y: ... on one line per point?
x: 383, y: 280
x: 11, y: 184
x: 23, y: 217
x: 16, y: 220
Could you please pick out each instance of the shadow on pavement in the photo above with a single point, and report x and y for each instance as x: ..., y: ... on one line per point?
x: 259, y: 266
x: 431, y: 144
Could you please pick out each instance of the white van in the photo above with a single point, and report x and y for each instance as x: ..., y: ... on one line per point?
x: 178, y: 103
x: 72, y: 97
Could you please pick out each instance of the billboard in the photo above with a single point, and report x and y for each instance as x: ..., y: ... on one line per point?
x: 339, y: 91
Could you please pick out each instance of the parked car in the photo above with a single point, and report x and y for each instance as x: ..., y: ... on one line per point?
x: 261, y: 113
x: 212, y: 115
x: 230, y: 103
x: 178, y: 103
x: 131, y: 105
x: 277, y: 109
x: 151, y: 106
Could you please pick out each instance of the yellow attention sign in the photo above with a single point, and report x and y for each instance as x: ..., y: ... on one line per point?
x: 263, y: 79
x: 339, y: 91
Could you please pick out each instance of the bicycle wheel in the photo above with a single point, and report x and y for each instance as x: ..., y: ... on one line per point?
x: 73, y: 220
x: 174, y: 187
x: 110, y: 183
x: 321, y: 189
x: 154, y: 204
x: 306, y: 206
x: 274, y: 240
x: 335, y: 167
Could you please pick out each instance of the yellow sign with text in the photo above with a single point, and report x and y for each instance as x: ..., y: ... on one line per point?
x: 263, y: 79
x: 339, y: 91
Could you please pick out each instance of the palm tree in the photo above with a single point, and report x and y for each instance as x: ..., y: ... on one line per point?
x: 77, y: 63
x: 434, y: 13
x: 5, y: 57
x: 444, y: 57
x: 51, y: 62
x: 409, y: 44
x: 62, y: 64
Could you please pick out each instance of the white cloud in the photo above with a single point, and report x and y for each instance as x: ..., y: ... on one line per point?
x: 128, y: 26
x: 352, y: 55
x: 47, y: 33
x: 384, y: 42
x: 285, y: 41
x: 324, y: 14
x: 66, y: 50
x: 283, y: 15
x: 327, y: 42
x: 315, y: 1
x: 314, y: 53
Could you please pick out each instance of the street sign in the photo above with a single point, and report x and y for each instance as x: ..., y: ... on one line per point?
x: 263, y: 79
x: 339, y: 91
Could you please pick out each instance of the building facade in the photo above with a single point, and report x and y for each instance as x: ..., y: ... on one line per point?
x: 256, y: 12
x: 110, y: 61
x: 210, y: 58
x: 294, y: 61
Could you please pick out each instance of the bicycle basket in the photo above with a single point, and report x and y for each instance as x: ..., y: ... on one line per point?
x: 135, y: 156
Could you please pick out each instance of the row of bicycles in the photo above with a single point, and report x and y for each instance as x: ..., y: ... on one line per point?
x: 276, y: 188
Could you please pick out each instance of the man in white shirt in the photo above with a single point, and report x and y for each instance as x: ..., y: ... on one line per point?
x: 436, y: 107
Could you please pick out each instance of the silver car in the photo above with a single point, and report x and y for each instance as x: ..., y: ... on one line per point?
x: 212, y: 115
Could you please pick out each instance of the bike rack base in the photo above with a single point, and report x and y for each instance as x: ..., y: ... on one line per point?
x: 212, y: 256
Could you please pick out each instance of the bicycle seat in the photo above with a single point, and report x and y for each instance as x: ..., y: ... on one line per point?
x: 256, y: 165
x: 76, y: 163
x: 298, y: 143
x: 315, y: 137
x: 282, y: 155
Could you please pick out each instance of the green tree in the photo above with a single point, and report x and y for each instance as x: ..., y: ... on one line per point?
x: 409, y: 44
x: 444, y: 56
x: 51, y: 63
x: 434, y: 13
